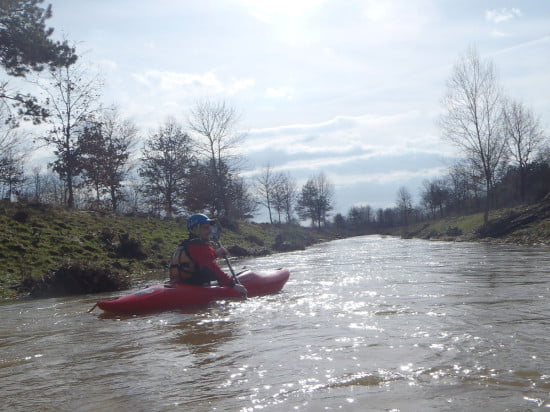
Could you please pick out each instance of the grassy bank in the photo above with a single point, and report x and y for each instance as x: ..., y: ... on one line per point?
x: 528, y: 224
x: 38, y: 242
x: 43, y: 250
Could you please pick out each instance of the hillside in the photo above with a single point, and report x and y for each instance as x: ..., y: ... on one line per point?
x: 523, y: 225
x: 40, y: 244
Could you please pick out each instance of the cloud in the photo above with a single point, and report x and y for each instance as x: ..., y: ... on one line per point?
x: 352, y: 164
x: 170, y: 81
x: 395, y: 176
x: 340, y: 122
x: 502, y: 15
x: 108, y: 64
x: 280, y: 8
x: 498, y: 33
x: 279, y: 93
x: 524, y: 45
x: 346, y: 135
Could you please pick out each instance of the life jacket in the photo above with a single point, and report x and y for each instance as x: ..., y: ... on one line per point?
x: 182, y: 268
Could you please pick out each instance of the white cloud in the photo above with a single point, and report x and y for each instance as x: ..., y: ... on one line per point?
x: 392, y: 132
x: 499, y: 33
x: 520, y: 46
x: 108, y: 64
x: 502, y: 15
x: 285, y: 8
x: 279, y: 93
x: 170, y: 81
x: 237, y: 85
x: 395, y: 175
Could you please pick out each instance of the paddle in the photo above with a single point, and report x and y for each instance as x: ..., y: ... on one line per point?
x: 215, y: 236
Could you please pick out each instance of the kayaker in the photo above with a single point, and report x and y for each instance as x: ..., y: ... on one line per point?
x: 194, y: 261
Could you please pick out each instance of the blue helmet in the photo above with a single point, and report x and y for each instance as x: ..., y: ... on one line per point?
x: 198, y: 219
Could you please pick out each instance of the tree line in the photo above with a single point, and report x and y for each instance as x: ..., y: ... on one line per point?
x: 183, y: 166
x: 504, y: 154
x: 193, y: 165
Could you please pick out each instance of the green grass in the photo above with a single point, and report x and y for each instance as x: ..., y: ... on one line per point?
x: 465, y: 228
x: 36, y: 239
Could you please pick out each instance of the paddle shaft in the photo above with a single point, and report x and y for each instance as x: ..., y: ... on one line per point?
x: 216, y: 238
x: 228, y: 263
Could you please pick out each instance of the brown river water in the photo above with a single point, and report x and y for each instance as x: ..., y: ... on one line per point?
x: 364, y: 324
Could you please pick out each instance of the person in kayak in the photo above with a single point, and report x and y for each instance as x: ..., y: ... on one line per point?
x: 194, y: 261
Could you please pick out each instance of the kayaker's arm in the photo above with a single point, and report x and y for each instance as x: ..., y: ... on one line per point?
x: 205, y: 258
x: 222, y: 252
x: 237, y: 286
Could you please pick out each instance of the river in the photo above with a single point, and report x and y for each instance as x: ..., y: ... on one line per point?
x: 364, y: 324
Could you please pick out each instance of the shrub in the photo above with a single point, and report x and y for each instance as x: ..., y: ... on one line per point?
x: 21, y: 216
x: 130, y: 248
x: 76, y: 278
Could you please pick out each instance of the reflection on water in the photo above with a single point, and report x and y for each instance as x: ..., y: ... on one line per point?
x: 367, y: 323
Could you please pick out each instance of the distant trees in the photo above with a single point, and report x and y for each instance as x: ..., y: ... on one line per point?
x: 435, y: 195
x: 265, y: 187
x: 316, y: 200
x: 277, y: 192
x: 165, y: 167
x: 404, y: 204
x: 361, y: 218
x: 11, y: 156
x: 195, y: 168
x: 524, y: 135
x: 285, y: 192
x: 12, y: 173
x: 242, y: 203
x: 472, y: 120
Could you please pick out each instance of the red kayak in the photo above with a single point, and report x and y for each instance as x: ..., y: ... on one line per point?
x: 168, y: 297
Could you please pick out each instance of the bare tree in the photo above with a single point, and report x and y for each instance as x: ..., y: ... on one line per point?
x: 166, y: 160
x: 243, y: 203
x: 265, y: 183
x: 9, y: 138
x: 404, y: 204
x: 316, y: 199
x: 473, y: 118
x: 284, y: 195
x: 213, y: 125
x: 465, y: 186
x: 105, y: 148
x: 434, y: 195
x: 11, y: 155
x: 525, y: 137
x: 73, y: 99
x: 360, y: 217
x: 47, y: 188
x: 12, y: 174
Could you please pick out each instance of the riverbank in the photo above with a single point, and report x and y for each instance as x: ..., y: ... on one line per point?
x: 43, y: 249
x: 528, y: 224
x: 47, y: 251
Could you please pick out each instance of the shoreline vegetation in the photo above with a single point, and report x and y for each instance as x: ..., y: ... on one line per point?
x: 51, y: 251
x: 48, y: 251
x: 526, y: 224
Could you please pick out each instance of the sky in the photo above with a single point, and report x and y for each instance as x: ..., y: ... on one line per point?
x: 352, y: 88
